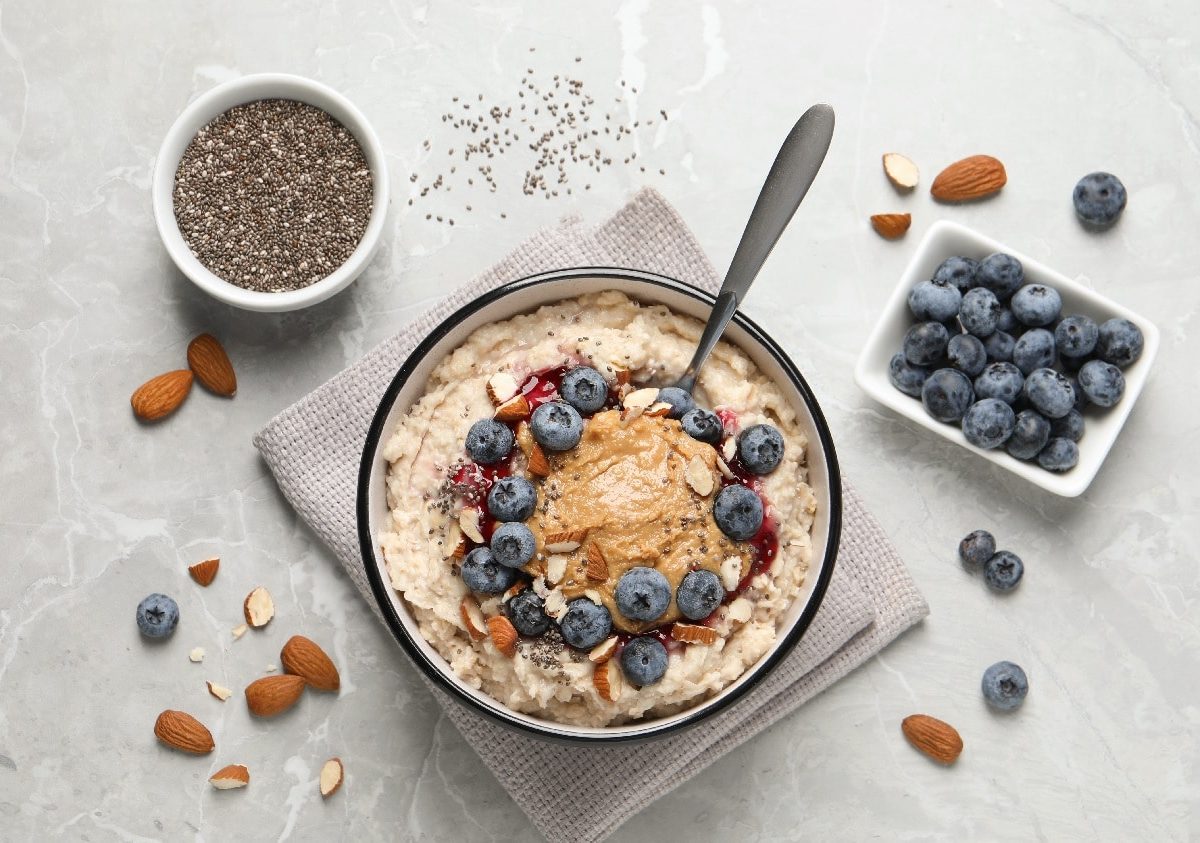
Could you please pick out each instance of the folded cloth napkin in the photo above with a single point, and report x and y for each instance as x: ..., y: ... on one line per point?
x: 314, y: 447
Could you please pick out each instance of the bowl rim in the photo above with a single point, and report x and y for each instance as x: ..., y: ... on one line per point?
x: 495, y: 710
x: 251, y: 88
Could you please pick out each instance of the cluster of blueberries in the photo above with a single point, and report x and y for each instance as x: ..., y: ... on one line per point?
x: 984, y: 351
x: 643, y: 593
x: 1004, y: 684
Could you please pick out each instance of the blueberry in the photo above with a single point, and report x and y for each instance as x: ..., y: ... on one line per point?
x: 999, y: 347
x: 999, y: 380
x: 157, y: 616
x: 1099, y: 199
x: 1030, y: 434
x: 934, y: 301
x: 1120, y: 342
x: 511, y: 499
x: 967, y: 354
x: 557, y: 426
x: 1002, y: 274
x: 980, y: 312
x: 1004, y: 686
x: 513, y: 544
x: 1076, y: 336
x: 585, y: 624
x: 1036, y: 305
x: 906, y: 377
x: 958, y: 271
x: 738, y: 511
x: 977, y: 547
x: 680, y: 400
x: 1059, y: 455
x: 702, y: 426
x: 1049, y: 392
x: 528, y: 613
x: 584, y: 388
x: 1008, y: 323
x: 988, y: 423
x: 1003, y: 571
x: 642, y: 594
x: 925, y: 343
x: 482, y: 573
x: 1102, y: 383
x: 1069, y: 426
x: 489, y: 441
x: 699, y: 594
x: 760, y: 448
x: 1034, y: 350
x: 644, y: 660
x: 947, y: 394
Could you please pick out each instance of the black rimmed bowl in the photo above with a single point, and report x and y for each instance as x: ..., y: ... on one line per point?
x: 527, y: 295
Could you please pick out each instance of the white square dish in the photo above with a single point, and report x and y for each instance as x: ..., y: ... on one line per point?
x: 944, y: 239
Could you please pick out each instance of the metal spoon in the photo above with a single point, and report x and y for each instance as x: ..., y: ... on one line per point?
x: 791, y: 175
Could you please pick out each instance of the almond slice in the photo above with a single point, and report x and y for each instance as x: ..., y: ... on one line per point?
x: 900, y: 170
x: 594, y: 596
x: 258, y: 608
x: 729, y: 448
x: 699, y: 477
x: 691, y: 633
x: 239, y: 631
x: 205, y: 572
x: 622, y: 375
x: 228, y: 778
x: 556, y: 568
x: 468, y: 522
x: 513, y: 590
x: 501, y: 387
x: 472, y: 618
x: 332, y: 776
x: 555, y: 603
x: 514, y: 409
x: 196, y: 655
x: 219, y: 691
x: 891, y: 226
x: 539, y: 465
x: 740, y: 610
x: 597, y: 565
x: 731, y: 572
x: 539, y: 586
x: 657, y: 410
x: 638, y: 401
x: 504, y: 635
x: 607, y: 680
x: 575, y: 537
x: 603, y: 651
x: 723, y: 467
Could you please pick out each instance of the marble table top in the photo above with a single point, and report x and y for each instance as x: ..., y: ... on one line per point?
x: 98, y: 511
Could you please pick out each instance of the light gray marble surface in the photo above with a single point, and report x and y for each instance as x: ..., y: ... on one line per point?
x: 97, y: 510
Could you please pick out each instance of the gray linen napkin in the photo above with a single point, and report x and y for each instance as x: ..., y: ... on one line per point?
x: 313, y: 448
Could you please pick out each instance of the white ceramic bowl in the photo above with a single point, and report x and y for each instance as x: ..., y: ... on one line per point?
x: 220, y: 99
x: 527, y: 295
x: 1102, y: 426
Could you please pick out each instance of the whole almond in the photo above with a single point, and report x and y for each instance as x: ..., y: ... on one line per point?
x: 231, y: 777
x: 210, y: 363
x: 179, y: 730
x: 305, y: 659
x: 160, y: 396
x: 970, y: 178
x: 273, y: 695
x: 937, y: 739
x: 891, y: 226
x: 205, y: 572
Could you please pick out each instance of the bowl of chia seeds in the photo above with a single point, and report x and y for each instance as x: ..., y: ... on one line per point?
x: 270, y: 192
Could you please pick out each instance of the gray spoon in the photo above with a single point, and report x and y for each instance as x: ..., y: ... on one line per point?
x: 791, y: 175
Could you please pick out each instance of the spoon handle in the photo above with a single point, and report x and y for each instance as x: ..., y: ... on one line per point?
x: 790, y: 177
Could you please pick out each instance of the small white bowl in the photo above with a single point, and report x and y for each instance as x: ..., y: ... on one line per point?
x: 945, y: 239
x: 237, y: 92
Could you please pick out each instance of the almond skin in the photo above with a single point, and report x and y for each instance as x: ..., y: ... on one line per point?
x: 937, y: 739
x: 597, y: 565
x: 273, y: 695
x: 606, y: 679
x: 231, y: 777
x: 205, y: 572
x: 539, y: 465
x: 891, y: 226
x: 302, y: 657
x: 504, y: 635
x: 514, y: 409
x: 179, y: 730
x: 691, y: 633
x: 208, y: 361
x: 160, y: 396
x: 968, y: 179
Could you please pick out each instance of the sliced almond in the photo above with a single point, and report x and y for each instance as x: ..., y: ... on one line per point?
x: 205, y: 572
x: 622, y: 375
x: 504, y: 635
x: 219, y: 691
x: 454, y: 546
x: 556, y: 568
x: 723, y: 467
x: 699, y: 477
x: 657, y: 410
x: 603, y: 651
x: 332, y: 775
x: 597, y: 565
x: 239, y: 631
x: 472, y: 618
x: 740, y: 610
x: 691, y: 633
x: 607, y: 680
x: 513, y: 590
x: 514, y: 409
x: 594, y: 596
x: 640, y: 400
x: 539, y: 465
x: 731, y: 572
x: 196, y: 655
x: 259, y: 608
x: 539, y: 586
x: 501, y: 387
x: 468, y: 522
x: 573, y: 538
x: 900, y: 170
x: 228, y: 778
x: 729, y: 448
x: 555, y: 603
x: 891, y: 226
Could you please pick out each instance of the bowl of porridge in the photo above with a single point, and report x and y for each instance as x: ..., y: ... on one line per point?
x: 574, y: 552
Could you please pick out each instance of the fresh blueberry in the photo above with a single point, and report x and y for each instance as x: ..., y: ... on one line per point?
x: 527, y: 612
x: 967, y: 354
x: 1099, y: 199
x: 1049, y: 392
x: 644, y: 660
x: 925, y: 343
x: 489, y: 441
x: 999, y: 347
x: 999, y: 380
x: 980, y: 312
x: 1002, y: 274
x: 680, y: 400
x: 557, y: 426
x: 642, y: 594
x: 1003, y: 571
x: 1005, y: 686
x: 482, y: 573
x: 702, y: 426
x: 1036, y: 305
x: 1102, y: 383
x: 1076, y: 336
x: 760, y: 448
x: 988, y: 423
x: 513, y: 544
x: 584, y: 388
x: 934, y: 301
x: 738, y: 511
x: 947, y: 394
x: 1059, y: 455
x: 1069, y: 426
x: 977, y: 548
x: 585, y: 624
x: 511, y: 499
x: 958, y: 271
x: 699, y: 594
x: 1120, y: 342
x: 1030, y: 434
x: 157, y: 616
x: 1034, y: 350
x: 906, y: 377
x: 1008, y: 323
